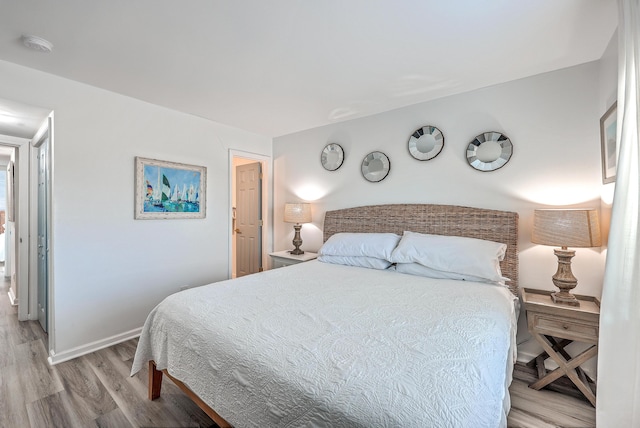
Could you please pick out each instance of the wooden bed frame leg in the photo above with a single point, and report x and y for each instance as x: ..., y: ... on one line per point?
x: 155, y: 381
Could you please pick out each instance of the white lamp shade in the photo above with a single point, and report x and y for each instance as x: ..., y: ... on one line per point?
x: 297, y: 213
x: 566, y: 228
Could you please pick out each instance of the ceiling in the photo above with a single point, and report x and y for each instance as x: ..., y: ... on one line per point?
x: 20, y: 120
x: 280, y: 66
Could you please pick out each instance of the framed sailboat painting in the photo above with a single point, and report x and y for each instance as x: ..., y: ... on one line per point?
x: 169, y: 190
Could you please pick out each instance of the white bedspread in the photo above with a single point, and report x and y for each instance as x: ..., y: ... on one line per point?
x: 321, y: 345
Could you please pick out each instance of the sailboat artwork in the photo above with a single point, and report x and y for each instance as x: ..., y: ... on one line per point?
x: 169, y: 190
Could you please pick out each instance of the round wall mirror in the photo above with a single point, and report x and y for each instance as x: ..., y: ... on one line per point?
x: 332, y: 157
x: 375, y: 166
x: 426, y: 143
x: 489, y: 151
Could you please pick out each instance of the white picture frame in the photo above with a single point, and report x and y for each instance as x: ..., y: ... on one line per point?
x: 609, y: 144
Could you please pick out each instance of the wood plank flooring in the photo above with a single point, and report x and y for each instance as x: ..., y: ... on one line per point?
x: 96, y: 391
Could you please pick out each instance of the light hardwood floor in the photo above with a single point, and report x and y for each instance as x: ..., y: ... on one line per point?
x: 96, y: 391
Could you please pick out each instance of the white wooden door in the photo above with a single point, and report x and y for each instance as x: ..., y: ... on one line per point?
x: 248, y: 219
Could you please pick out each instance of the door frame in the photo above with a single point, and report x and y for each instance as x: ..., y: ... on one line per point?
x: 46, y: 130
x: 22, y: 220
x: 267, y: 203
x: 43, y: 135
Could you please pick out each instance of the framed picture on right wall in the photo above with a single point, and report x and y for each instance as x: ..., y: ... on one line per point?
x: 608, y: 125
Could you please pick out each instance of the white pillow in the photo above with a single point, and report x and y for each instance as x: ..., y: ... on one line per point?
x: 465, y: 256
x: 360, y: 261
x: 419, y: 270
x: 378, y: 245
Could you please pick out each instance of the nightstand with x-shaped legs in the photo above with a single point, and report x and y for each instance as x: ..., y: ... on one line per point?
x: 555, y: 326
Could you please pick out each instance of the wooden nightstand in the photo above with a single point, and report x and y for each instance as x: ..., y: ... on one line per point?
x: 554, y: 326
x: 284, y: 258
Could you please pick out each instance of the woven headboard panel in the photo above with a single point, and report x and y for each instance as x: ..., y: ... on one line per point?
x: 492, y: 225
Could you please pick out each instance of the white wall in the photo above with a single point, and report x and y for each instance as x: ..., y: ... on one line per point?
x: 552, y: 120
x: 608, y: 85
x: 109, y: 269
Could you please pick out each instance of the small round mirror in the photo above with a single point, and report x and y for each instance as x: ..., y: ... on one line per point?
x: 489, y: 151
x: 426, y: 143
x: 332, y: 157
x: 375, y: 166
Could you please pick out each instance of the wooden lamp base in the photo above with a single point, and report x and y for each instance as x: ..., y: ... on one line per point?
x: 297, y: 240
x: 564, y: 279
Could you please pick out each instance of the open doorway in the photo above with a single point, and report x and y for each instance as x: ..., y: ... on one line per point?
x: 7, y: 158
x: 249, y: 215
x: 23, y: 128
x: 16, y: 220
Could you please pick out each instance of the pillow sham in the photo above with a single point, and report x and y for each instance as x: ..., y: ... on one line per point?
x: 457, y: 254
x: 360, y: 261
x: 378, y: 245
x: 419, y: 270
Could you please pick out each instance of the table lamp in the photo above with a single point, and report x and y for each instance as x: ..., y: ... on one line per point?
x: 297, y: 213
x: 566, y: 228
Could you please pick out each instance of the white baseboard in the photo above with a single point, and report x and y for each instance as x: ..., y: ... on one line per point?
x: 56, y: 358
x: 12, y: 297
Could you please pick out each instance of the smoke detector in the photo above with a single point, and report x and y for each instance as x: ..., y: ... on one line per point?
x: 37, y: 43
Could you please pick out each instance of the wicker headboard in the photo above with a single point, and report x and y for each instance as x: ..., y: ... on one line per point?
x: 492, y: 225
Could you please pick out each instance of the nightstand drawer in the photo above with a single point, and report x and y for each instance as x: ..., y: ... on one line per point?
x: 285, y: 258
x: 279, y: 262
x: 565, y: 328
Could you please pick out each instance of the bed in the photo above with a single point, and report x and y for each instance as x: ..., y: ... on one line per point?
x: 325, y: 344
